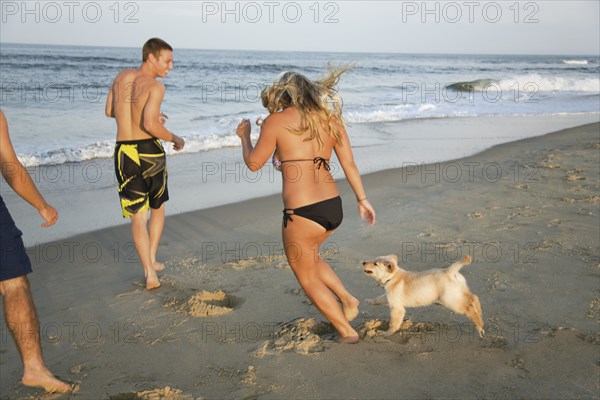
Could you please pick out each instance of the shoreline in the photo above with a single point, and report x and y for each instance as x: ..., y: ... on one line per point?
x: 203, y: 180
x: 531, y: 231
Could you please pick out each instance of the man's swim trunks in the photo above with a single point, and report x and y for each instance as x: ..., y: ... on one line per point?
x: 14, y: 261
x: 141, y: 169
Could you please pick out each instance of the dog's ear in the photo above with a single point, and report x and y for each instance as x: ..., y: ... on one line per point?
x: 391, y: 259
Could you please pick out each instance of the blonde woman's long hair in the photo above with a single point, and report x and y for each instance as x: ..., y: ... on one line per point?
x: 317, y: 102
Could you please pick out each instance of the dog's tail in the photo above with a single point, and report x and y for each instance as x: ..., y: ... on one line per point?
x: 456, y: 267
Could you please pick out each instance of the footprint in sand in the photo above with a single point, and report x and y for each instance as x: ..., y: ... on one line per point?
x: 494, y: 342
x: 554, y: 223
x: 165, y: 393
x: 573, y: 175
x: 205, y: 304
x: 303, y: 336
x: 522, y: 186
x: 375, y: 329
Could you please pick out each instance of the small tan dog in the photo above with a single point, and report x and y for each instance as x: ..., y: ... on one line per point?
x: 414, y: 289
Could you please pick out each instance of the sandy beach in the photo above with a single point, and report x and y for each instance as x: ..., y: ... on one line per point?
x: 231, y: 322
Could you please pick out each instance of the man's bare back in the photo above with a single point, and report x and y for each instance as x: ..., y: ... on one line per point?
x: 135, y: 98
x: 131, y: 90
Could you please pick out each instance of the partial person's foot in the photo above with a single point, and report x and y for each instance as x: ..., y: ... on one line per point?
x: 152, y: 281
x: 350, y: 308
x: 45, y: 380
x: 347, y: 339
x: 152, y: 284
x: 158, y: 266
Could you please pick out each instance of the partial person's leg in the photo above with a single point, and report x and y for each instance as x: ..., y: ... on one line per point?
x: 21, y: 319
x: 300, y: 244
x: 330, y: 279
x: 328, y: 276
x: 157, y: 223
x: 139, y: 230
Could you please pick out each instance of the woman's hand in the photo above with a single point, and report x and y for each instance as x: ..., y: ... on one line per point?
x: 243, y: 129
x: 365, y: 210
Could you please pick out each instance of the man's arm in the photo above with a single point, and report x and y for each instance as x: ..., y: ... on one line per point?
x: 152, y: 117
x: 18, y: 178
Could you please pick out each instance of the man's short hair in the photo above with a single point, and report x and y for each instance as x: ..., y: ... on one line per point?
x: 154, y: 46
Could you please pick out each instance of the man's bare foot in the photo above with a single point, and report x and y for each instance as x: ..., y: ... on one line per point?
x: 350, y: 308
x: 152, y: 284
x: 45, y: 380
x: 152, y: 281
x: 158, y: 266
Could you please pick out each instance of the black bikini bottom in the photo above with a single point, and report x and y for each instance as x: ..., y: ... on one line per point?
x: 327, y: 213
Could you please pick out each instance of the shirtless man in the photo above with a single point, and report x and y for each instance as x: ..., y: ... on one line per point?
x: 19, y: 309
x: 134, y: 100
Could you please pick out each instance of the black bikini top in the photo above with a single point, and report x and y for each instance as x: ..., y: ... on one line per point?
x: 319, y: 161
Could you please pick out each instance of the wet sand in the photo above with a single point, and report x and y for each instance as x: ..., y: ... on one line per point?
x: 230, y: 320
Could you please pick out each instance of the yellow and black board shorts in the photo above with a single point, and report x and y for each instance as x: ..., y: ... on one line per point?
x: 141, y: 169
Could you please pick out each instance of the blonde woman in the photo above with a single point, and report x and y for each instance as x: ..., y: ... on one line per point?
x: 304, y: 127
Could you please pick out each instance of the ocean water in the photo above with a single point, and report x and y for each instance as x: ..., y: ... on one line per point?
x: 400, y: 108
x: 54, y: 96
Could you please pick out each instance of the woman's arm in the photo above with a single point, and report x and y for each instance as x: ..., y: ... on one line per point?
x: 256, y: 156
x: 18, y: 178
x: 346, y: 158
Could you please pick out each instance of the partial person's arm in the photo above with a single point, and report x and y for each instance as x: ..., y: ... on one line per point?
x: 153, y: 121
x: 256, y: 156
x: 109, y: 109
x: 346, y: 158
x: 18, y: 178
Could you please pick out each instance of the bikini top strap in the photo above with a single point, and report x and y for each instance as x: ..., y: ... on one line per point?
x: 319, y: 161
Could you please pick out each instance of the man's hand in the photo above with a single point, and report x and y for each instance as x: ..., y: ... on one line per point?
x: 178, y: 143
x: 49, y: 214
x: 163, y: 118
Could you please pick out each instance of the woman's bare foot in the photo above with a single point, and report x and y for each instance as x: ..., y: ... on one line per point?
x: 45, y: 380
x: 347, y: 339
x: 350, y: 308
x: 347, y: 335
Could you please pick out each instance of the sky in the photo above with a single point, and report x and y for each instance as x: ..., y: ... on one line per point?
x: 447, y: 27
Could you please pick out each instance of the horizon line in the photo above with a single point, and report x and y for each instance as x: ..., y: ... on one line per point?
x: 307, y: 51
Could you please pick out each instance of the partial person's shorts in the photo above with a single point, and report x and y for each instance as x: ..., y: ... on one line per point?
x: 14, y: 261
x: 141, y: 169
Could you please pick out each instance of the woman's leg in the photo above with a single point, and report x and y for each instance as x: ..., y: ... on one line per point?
x: 301, y: 242
x: 331, y: 280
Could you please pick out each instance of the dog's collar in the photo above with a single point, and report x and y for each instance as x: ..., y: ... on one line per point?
x: 382, y: 284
